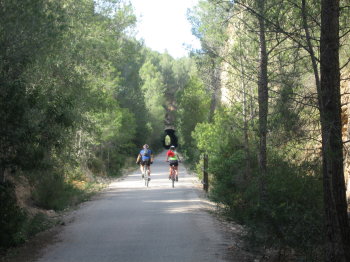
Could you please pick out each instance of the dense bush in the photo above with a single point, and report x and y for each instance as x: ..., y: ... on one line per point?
x: 77, y: 94
x: 291, y: 215
x: 16, y: 226
x: 52, y: 192
x: 36, y: 224
x: 12, y: 218
x: 193, y: 108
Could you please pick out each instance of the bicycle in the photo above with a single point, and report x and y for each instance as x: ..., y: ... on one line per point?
x: 173, y: 176
x: 146, y: 175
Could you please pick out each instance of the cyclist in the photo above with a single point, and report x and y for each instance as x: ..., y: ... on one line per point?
x: 145, y: 157
x: 173, y: 158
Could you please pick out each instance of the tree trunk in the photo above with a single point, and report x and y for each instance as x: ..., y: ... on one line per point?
x: 335, y: 206
x: 310, y: 47
x: 215, y: 89
x: 205, y: 173
x: 246, y: 135
x: 2, y: 175
x: 247, y: 172
x: 108, y: 159
x: 262, y: 100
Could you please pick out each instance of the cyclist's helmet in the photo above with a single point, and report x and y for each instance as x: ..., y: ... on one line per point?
x: 172, y: 147
x: 145, y: 146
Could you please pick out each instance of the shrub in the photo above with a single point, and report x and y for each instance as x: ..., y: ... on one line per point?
x: 37, y: 224
x: 97, y: 166
x: 291, y: 217
x: 15, y: 225
x: 293, y: 214
x: 52, y: 192
x: 12, y: 217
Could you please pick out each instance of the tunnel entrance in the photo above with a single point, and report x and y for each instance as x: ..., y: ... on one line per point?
x: 170, y: 138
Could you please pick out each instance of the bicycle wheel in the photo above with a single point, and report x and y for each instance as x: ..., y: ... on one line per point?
x: 173, y: 178
x: 147, y: 177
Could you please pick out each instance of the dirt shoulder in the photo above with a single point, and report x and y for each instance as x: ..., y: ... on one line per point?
x: 236, y: 250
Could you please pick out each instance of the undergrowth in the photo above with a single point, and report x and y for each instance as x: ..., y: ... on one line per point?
x: 50, y: 190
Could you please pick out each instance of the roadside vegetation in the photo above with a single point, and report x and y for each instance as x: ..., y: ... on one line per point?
x: 79, y: 96
x: 266, y: 109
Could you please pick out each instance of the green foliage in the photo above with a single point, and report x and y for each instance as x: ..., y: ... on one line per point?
x: 291, y: 216
x: 37, y: 224
x: 52, y: 192
x: 16, y: 226
x: 78, y: 95
x: 30, y: 29
x: 193, y: 108
x: 294, y: 214
x: 283, y: 209
x: 208, y: 22
x: 167, y: 140
x: 153, y: 90
x: 12, y: 217
x: 58, y: 78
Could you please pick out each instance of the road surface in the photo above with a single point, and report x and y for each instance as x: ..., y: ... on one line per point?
x: 132, y: 223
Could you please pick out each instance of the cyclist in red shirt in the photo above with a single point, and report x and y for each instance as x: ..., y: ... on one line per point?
x: 173, y: 159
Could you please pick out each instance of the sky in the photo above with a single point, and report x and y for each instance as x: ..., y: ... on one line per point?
x: 163, y: 25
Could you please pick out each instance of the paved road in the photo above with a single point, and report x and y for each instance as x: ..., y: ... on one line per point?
x: 132, y: 223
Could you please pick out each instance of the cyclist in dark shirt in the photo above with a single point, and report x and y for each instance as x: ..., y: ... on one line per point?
x: 145, y: 157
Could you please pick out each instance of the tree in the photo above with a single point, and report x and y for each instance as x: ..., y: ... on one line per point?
x: 193, y: 108
x: 337, y: 223
x: 263, y: 97
x: 277, y: 62
x: 30, y: 31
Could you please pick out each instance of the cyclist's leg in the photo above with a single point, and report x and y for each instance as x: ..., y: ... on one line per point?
x: 172, y: 170
x: 175, y: 164
x: 149, y: 167
x: 142, y: 168
x: 148, y: 171
x: 176, y: 171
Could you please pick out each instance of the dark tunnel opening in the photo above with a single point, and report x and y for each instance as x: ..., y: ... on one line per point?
x: 170, y: 139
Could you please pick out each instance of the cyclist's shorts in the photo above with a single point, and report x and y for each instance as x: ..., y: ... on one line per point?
x: 173, y: 163
x: 145, y: 162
